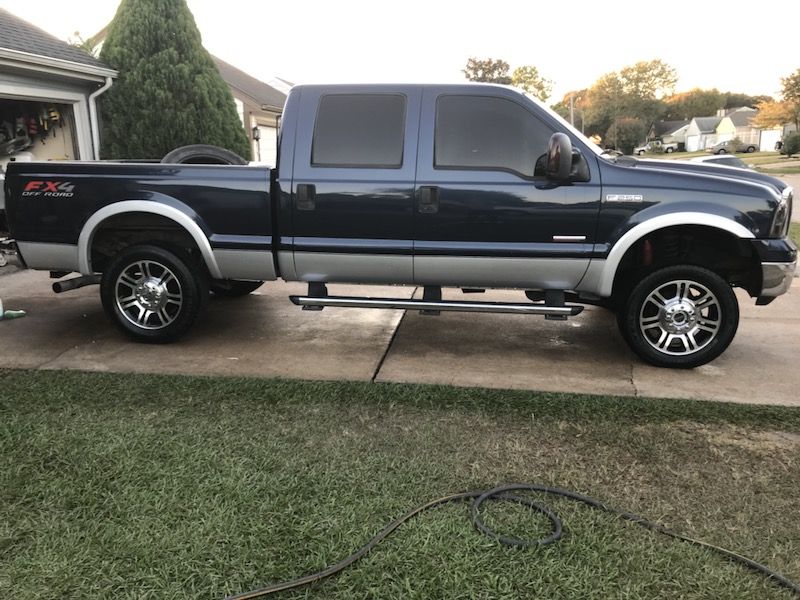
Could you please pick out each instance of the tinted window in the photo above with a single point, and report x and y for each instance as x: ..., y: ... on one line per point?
x: 488, y: 133
x: 359, y: 130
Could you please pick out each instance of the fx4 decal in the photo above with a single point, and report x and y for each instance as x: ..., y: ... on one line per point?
x: 49, y: 189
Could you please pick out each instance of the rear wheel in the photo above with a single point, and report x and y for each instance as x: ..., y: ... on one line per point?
x: 681, y: 316
x: 233, y: 288
x: 151, y: 293
x: 669, y: 150
x: 751, y: 149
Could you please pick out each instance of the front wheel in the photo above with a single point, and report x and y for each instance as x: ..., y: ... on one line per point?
x: 151, y: 293
x: 681, y: 317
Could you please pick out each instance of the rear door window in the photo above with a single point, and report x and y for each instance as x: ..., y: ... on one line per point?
x: 359, y: 131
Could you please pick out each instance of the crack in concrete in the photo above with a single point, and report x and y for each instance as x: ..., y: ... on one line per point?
x: 391, y: 342
x: 633, y: 382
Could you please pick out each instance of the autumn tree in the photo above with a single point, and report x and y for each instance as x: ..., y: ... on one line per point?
x: 529, y: 79
x: 773, y: 114
x: 625, y: 132
x: 737, y: 99
x: 694, y: 103
x: 169, y: 92
x: 791, y: 95
x: 634, y: 92
x: 579, y: 101
x: 649, y: 79
x: 488, y: 70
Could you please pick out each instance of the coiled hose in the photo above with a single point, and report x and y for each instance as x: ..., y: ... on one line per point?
x: 502, y: 493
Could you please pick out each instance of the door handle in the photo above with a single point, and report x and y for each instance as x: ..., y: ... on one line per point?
x: 428, y: 199
x: 306, y: 196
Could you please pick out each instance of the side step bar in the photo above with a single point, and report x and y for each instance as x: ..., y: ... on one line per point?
x: 449, y: 305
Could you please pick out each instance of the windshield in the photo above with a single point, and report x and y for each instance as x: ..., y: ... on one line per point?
x: 567, y: 125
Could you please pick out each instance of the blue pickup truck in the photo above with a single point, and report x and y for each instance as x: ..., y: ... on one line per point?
x: 468, y: 186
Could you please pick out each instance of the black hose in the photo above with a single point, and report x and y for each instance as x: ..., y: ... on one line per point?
x: 501, y: 493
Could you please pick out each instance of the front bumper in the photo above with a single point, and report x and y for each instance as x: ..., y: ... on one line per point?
x: 9, y: 254
x: 776, y: 278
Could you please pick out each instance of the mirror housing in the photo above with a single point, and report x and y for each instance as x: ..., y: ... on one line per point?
x: 559, y: 157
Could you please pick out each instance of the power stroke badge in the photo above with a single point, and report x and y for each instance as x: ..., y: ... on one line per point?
x: 624, y: 198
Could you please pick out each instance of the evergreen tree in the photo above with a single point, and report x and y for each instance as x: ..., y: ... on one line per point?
x: 169, y: 92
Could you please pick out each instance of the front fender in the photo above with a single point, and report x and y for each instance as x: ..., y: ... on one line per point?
x: 604, y: 276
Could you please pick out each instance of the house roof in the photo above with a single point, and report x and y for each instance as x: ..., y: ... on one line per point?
x: 661, y: 128
x: 259, y: 91
x: 707, y: 124
x: 741, y: 117
x: 20, y: 36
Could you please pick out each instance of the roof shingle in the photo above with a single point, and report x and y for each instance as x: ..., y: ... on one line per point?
x: 17, y: 34
x: 258, y: 90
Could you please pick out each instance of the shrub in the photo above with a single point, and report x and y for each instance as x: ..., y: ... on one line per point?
x: 169, y: 92
x: 791, y: 144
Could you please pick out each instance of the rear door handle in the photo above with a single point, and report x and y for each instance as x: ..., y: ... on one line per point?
x: 428, y: 199
x: 306, y: 197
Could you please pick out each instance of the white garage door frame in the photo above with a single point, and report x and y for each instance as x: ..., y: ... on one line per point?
x: 21, y: 90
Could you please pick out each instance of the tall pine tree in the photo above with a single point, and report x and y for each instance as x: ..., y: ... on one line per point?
x: 169, y: 92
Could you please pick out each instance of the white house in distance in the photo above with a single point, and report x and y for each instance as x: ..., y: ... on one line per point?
x: 260, y: 106
x: 701, y: 133
x: 48, y: 92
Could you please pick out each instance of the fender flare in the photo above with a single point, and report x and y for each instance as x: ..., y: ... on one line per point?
x: 618, y: 250
x: 181, y: 217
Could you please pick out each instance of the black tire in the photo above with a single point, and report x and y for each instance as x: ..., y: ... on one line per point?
x: 669, y: 150
x: 203, y: 154
x: 145, y: 277
x: 641, y: 152
x: 233, y: 288
x: 688, y: 329
x: 751, y: 149
x: 722, y: 151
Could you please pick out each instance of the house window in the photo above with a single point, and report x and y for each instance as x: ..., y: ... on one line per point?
x: 481, y: 132
x: 359, y: 130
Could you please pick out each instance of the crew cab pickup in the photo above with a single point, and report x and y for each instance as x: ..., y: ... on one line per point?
x: 470, y: 186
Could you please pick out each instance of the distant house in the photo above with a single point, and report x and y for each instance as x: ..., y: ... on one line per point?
x: 669, y: 132
x: 701, y: 133
x: 736, y: 124
x: 260, y: 106
x: 48, y: 91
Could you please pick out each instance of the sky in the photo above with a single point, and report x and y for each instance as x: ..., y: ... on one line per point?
x: 571, y: 43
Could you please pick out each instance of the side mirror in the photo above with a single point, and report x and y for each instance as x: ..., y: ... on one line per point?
x: 559, y: 157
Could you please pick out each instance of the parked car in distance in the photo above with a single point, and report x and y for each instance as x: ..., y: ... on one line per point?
x: 731, y: 146
x: 656, y: 146
x: 724, y: 160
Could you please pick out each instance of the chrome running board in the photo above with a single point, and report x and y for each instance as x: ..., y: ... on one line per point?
x: 448, y: 305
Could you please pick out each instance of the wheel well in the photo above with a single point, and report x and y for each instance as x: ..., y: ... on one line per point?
x: 728, y: 256
x: 127, y: 229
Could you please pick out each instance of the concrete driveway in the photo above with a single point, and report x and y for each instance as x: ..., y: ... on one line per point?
x: 265, y: 335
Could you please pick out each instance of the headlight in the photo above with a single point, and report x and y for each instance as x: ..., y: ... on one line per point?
x: 780, y: 224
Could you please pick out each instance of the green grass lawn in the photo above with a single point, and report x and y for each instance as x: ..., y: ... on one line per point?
x: 794, y: 233
x: 146, y: 486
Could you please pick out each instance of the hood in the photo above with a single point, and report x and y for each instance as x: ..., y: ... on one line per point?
x: 697, y: 168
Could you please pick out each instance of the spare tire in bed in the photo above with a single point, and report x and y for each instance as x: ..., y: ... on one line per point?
x: 202, y: 154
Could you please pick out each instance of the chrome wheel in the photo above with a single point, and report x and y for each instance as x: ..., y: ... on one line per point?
x: 680, y: 317
x: 148, y: 295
